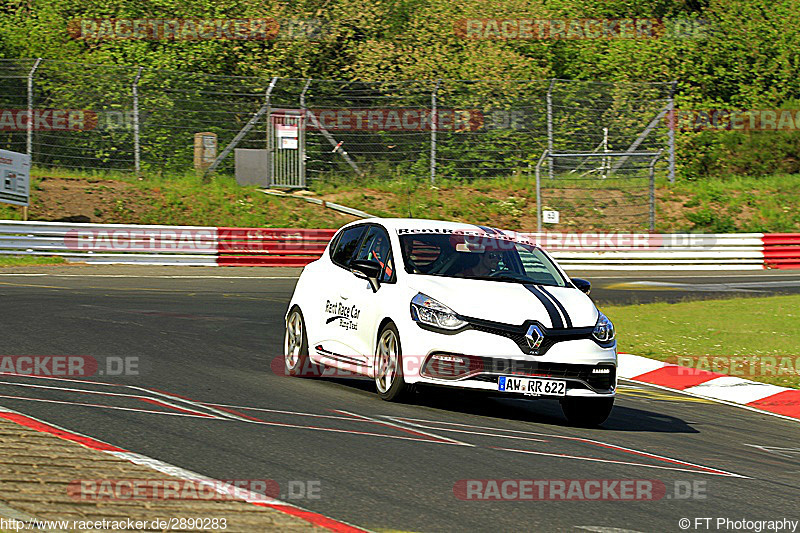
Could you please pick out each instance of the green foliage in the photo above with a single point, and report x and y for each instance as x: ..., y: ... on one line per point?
x: 745, y: 54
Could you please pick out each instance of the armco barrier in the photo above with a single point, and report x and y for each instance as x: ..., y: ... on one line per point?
x: 654, y: 251
x: 271, y: 247
x: 211, y: 246
x: 112, y: 243
x: 782, y: 250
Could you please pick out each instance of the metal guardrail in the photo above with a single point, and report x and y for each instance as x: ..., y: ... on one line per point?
x: 782, y: 250
x: 626, y: 251
x: 112, y: 243
x: 222, y: 246
x: 271, y: 246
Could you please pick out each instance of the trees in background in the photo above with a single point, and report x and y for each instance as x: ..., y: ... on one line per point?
x: 746, y: 56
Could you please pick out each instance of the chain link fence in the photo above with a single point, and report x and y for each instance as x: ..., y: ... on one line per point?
x: 97, y: 117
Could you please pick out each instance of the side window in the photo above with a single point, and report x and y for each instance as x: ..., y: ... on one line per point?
x: 376, y: 247
x: 346, y: 245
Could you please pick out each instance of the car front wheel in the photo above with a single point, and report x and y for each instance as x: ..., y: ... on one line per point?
x: 389, y: 366
x: 587, y: 412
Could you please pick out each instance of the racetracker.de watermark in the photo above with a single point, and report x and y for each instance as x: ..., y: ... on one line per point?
x: 197, y: 29
x: 577, y: 490
x: 733, y: 119
x: 263, y: 490
x: 71, y: 366
x: 396, y: 119
x: 146, y: 239
x: 580, y: 28
x: 48, y: 120
x: 740, y: 365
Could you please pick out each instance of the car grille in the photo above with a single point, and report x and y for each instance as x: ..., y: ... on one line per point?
x: 517, y: 333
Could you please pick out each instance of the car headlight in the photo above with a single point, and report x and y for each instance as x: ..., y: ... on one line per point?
x: 604, y: 330
x: 433, y: 313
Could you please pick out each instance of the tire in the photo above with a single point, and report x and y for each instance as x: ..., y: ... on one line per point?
x: 389, y: 379
x: 295, y: 345
x: 587, y: 412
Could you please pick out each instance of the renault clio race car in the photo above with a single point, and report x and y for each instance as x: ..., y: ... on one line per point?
x: 409, y: 302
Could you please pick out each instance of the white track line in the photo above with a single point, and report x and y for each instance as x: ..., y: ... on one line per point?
x: 632, y: 451
x: 615, y: 462
x: 402, y: 428
x: 114, y: 407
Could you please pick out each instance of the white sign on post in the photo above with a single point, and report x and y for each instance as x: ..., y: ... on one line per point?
x: 15, y: 178
x: 550, y: 217
x: 287, y: 136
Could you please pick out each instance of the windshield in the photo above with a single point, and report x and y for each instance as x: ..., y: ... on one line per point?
x: 478, y: 257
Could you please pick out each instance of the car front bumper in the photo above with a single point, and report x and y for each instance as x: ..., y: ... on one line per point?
x: 472, y: 359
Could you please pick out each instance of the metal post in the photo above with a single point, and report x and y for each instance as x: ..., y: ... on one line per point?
x: 671, y: 132
x: 539, y: 191
x: 642, y: 136
x: 550, y: 125
x: 137, y: 156
x: 302, y: 133
x: 29, y: 142
x: 653, y: 191
x: 606, y: 162
x: 434, y: 120
x: 270, y: 140
x: 244, y: 131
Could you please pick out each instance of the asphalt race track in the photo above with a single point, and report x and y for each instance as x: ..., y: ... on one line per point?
x: 206, y: 398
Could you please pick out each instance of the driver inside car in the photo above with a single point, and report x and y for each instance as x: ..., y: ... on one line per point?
x: 487, y: 264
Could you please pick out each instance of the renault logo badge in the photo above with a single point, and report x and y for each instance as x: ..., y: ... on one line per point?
x: 534, y: 337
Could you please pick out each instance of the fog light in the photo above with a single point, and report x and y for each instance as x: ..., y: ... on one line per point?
x: 449, y: 366
x: 448, y: 358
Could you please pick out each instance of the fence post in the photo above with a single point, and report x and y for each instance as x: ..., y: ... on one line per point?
x: 244, y: 131
x: 29, y: 140
x: 137, y: 156
x: 539, y: 191
x: 434, y: 120
x: 550, y: 127
x: 653, y: 190
x: 671, y: 131
x: 301, y: 132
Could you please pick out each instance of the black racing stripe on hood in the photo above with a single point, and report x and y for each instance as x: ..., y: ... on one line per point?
x: 555, y: 319
x: 559, y: 304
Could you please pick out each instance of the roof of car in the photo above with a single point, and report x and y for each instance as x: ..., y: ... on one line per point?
x: 417, y: 224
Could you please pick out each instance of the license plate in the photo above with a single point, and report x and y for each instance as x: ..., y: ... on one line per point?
x: 532, y: 386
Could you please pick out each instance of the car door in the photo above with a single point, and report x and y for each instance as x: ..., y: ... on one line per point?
x: 339, y: 319
x: 365, y: 302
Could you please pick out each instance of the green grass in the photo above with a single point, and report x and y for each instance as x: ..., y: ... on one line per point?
x: 28, y: 260
x: 721, y: 205
x: 185, y: 199
x: 735, y: 204
x: 739, y: 204
x: 739, y: 327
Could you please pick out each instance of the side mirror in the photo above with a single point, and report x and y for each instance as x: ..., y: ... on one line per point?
x: 369, y: 270
x: 582, y: 285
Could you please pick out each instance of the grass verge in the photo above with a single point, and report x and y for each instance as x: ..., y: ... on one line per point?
x: 735, y: 204
x: 28, y: 260
x: 738, y: 328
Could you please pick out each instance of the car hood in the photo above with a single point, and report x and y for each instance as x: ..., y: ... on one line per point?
x: 509, y: 303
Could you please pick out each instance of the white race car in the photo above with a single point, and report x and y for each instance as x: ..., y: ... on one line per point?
x: 409, y: 301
